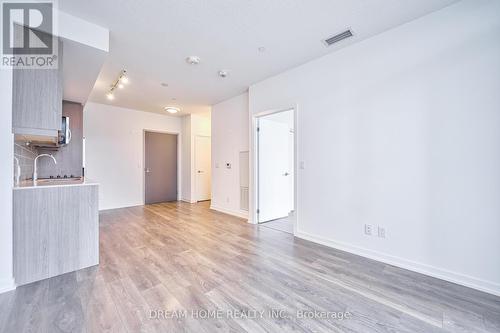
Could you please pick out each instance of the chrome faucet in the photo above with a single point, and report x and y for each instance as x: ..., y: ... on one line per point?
x: 17, y: 174
x: 35, y: 175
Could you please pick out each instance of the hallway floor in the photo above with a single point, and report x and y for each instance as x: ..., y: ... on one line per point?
x: 169, y: 268
x: 285, y: 224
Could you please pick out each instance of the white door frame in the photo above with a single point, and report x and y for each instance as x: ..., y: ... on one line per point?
x: 193, y: 169
x: 143, y: 166
x: 254, y: 164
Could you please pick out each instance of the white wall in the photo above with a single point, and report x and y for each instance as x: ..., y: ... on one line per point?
x: 81, y: 31
x: 6, y: 180
x: 114, y: 151
x: 403, y: 131
x: 229, y: 138
x: 186, y: 159
x: 197, y: 124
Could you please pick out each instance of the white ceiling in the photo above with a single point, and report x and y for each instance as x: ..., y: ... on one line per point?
x: 151, y: 39
x: 81, y: 66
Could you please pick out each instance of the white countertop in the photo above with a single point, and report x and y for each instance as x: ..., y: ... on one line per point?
x: 26, y: 184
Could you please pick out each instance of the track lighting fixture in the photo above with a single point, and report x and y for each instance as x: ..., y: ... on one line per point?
x: 119, y: 83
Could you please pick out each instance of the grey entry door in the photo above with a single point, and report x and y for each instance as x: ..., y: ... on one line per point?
x: 160, y: 167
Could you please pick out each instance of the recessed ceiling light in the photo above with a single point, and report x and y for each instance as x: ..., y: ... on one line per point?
x: 110, y: 96
x: 171, y: 109
x: 193, y: 60
x: 223, y: 73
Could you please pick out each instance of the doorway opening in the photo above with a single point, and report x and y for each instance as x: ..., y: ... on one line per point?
x: 160, y: 167
x: 203, y: 167
x: 276, y: 170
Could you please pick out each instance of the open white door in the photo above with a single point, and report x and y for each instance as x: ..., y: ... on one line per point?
x: 203, y: 167
x: 274, y: 170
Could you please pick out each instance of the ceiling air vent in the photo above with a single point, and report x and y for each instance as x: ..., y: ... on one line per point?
x: 337, y: 38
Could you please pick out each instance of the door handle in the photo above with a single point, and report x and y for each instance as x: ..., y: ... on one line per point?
x: 147, y: 170
x: 286, y: 174
x: 199, y: 171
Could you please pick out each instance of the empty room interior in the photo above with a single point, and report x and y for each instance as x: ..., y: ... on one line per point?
x: 250, y: 166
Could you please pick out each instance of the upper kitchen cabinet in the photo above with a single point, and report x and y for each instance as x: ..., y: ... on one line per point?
x: 38, y: 93
x: 37, y: 99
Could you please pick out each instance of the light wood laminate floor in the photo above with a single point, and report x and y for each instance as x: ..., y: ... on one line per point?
x: 182, y: 257
x: 284, y: 224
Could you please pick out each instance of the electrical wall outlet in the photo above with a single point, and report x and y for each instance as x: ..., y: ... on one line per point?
x: 368, y: 229
x: 381, y: 232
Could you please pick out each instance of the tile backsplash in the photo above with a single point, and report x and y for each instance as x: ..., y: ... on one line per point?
x: 26, y: 155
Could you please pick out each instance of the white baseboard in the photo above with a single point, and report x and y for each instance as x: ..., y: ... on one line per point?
x: 230, y: 212
x: 443, y: 274
x: 7, y: 285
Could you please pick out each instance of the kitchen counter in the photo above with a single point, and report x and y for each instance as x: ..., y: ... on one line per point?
x: 54, y: 182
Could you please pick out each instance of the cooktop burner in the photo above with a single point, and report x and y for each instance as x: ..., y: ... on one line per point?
x: 64, y: 177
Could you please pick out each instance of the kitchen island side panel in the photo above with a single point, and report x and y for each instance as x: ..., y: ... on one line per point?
x: 56, y: 231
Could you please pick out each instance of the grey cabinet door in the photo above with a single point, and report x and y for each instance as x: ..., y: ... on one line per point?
x: 37, y: 98
x: 31, y: 220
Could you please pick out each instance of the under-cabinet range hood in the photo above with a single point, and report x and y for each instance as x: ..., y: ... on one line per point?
x: 48, y: 141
